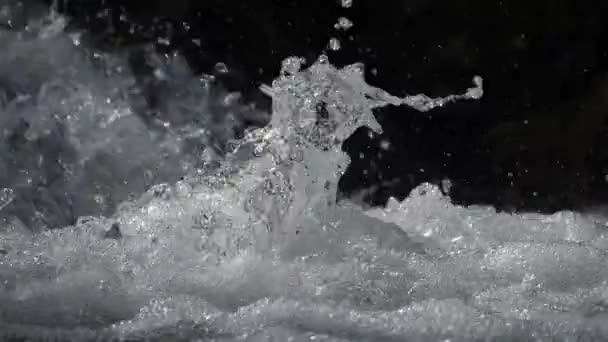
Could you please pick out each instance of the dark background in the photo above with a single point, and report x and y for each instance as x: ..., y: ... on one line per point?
x: 534, y: 142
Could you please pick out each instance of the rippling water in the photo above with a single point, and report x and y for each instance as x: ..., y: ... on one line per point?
x: 252, y: 246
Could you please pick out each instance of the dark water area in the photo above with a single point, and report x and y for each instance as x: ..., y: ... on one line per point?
x: 533, y: 143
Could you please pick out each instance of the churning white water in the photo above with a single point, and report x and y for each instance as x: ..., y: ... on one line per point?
x: 254, y: 247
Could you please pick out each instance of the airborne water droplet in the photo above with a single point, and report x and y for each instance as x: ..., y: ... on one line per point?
x: 343, y: 24
x: 334, y: 44
x: 163, y: 41
x: 221, y: 68
x: 347, y: 3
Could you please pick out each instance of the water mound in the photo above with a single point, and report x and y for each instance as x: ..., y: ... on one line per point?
x: 253, y: 246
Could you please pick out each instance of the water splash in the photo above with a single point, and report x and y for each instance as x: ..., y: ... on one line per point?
x: 78, y: 136
x: 255, y: 247
x: 343, y: 24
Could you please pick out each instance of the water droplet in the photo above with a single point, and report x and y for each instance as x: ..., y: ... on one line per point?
x: 163, y: 41
x: 347, y: 3
x: 446, y: 185
x: 343, y: 24
x: 99, y: 199
x: 231, y: 99
x: 221, y: 68
x: 160, y: 74
x: 334, y: 44
x: 75, y: 37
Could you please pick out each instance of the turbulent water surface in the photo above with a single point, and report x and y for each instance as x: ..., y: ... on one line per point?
x: 251, y: 246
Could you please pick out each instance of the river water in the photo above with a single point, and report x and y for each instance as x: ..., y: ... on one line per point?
x: 251, y: 245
